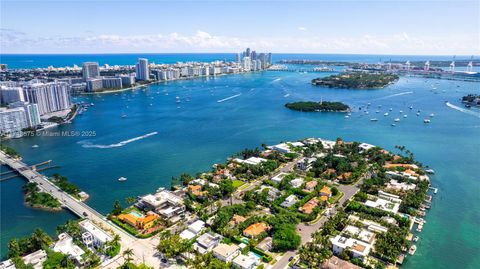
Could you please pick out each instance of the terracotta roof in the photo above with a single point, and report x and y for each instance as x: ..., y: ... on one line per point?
x: 311, y: 184
x: 345, y: 175
x: 394, y: 165
x: 128, y: 218
x: 323, y: 198
x: 326, y: 190
x: 236, y: 219
x: 255, y: 229
x: 309, y: 206
x: 330, y: 171
x: 149, y: 219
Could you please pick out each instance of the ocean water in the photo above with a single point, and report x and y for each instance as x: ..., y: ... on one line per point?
x: 159, y: 139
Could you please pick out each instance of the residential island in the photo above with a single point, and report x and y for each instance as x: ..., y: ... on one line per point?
x: 471, y: 100
x: 357, y: 80
x: 322, y: 106
x: 307, y: 203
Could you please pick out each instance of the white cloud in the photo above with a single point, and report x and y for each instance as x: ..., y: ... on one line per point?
x: 302, y: 29
x: 400, y: 43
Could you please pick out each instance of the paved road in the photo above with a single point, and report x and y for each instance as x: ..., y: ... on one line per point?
x: 144, y: 249
x: 306, y: 230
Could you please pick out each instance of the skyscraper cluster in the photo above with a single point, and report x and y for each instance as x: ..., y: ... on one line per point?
x: 251, y: 60
x: 26, y: 102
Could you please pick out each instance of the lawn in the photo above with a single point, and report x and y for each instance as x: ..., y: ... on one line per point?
x: 237, y: 183
x: 335, y: 198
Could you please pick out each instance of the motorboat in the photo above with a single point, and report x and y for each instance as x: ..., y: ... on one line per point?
x: 405, y: 115
x: 412, y: 250
x: 396, y: 120
x: 386, y: 114
x: 374, y: 119
x: 35, y: 146
x: 121, y: 179
x: 432, y: 115
x: 426, y: 121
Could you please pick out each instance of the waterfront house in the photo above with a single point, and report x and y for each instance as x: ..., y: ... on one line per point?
x: 249, y: 261
x: 92, y: 235
x: 368, y: 224
x: 35, y: 259
x: 255, y: 229
x: 225, y: 252
x: 278, y: 178
x: 386, y: 205
x: 289, y: 201
x: 7, y: 264
x: 196, y: 190
x: 66, y: 246
x: 138, y: 220
x: 305, y: 164
x: 344, y: 176
x: 251, y: 160
x: 365, y: 147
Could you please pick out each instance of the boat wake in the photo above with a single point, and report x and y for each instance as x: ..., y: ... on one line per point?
x: 286, y: 95
x: 394, y: 95
x: 277, y: 79
x: 87, y: 144
x: 466, y: 111
x: 228, y: 98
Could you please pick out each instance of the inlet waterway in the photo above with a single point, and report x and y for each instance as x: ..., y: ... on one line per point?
x: 159, y: 138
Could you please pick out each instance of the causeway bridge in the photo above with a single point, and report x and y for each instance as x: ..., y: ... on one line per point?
x: 144, y: 249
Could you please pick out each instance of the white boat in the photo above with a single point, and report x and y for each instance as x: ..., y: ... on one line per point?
x: 412, y: 250
x: 374, y: 119
x: 396, y: 120
x: 378, y: 111
x: 430, y: 171
x: 411, y: 107
x: 391, y: 109
x: 401, y: 111
x: 405, y: 116
x: 418, y: 113
x: 386, y: 114
x: 432, y: 115
x: 393, y: 124
x: 346, y: 117
x: 35, y: 146
x: 122, y: 179
x: 415, y: 239
x: 366, y: 112
x: 123, y: 116
x: 426, y: 121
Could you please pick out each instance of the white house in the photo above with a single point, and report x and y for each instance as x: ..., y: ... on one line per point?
x: 66, y: 246
x: 383, y: 204
x: 249, y: 261
x: 206, y: 242
x: 92, y: 235
x: 358, y: 248
x: 296, y: 183
x: 289, y: 201
x: 365, y: 146
x: 251, y: 160
x: 278, y: 178
x: 36, y: 258
x: 193, y: 230
x: 225, y: 252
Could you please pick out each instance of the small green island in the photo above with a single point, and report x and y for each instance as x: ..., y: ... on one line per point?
x: 356, y: 80
x: 318, y: 106
x: 35, y: 198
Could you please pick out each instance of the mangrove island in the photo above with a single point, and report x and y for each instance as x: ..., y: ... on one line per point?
x: 356, y: 80
x: 318, y: 106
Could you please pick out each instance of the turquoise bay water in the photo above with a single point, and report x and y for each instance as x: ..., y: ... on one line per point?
x: 197, y: 133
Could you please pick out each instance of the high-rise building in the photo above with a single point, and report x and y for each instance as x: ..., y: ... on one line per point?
x: 141, y: 69
x: 94, y: 84
x: 269, y: 59
x: 90, y: 70
x: 237, y: 58
x: 10, y: 95
x: 111, y: 83
x: 253, y: 55
x: 247, y: 52
x: 49, y: 97
x: 247, y: 63
x: 12, y: 121
x: 31, y: 112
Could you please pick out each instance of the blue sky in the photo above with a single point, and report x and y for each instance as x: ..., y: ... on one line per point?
x: 374, y: 27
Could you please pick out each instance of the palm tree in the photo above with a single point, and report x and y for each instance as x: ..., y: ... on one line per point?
x: 130, y: 200
x: 116, y: 240
x: 127, y: 255
x: 40, y: 239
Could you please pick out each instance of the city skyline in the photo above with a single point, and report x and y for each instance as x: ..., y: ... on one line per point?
x: 345, y: 27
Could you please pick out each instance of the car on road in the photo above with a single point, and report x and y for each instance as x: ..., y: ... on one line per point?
x: 290, y: 259
x: 85, y: 214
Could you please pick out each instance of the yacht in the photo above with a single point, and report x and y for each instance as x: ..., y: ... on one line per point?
x: 411, y: 107
x: 418, y: 113
x: 430, y: 171
x: 35, y: 146
x: 391, y: 109
x: 412, y: 250
x: 415, y: 239
x: 393, y: 124
x: 432, y: 115
x: 405, y: 115
x: 401, y: 111
x: 374, y: 119
x: 396, y: 120
x: 123, y: 116
x: 426, y: 121
x: 386, y: 114
x: 122, y: 179
x: 346, y: 117
x: 378, y: 111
